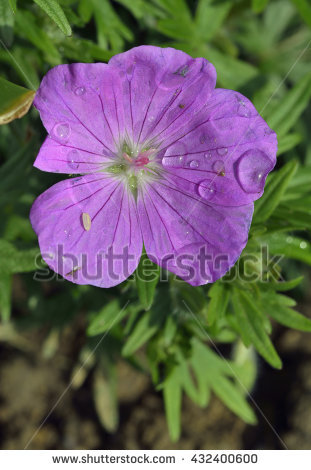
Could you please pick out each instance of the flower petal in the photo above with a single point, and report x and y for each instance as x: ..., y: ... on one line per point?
x: 228, y: 148
x: 183, y: 233
x: 163, y: 89
x: 88, y: 230
x: 81, y: 107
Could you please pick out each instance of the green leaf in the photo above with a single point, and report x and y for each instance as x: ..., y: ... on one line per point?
x: 56, y: 13
x: 251, y: 323
x: 287, y: 142
x: 210, y: 16
x: 15, y: 101
x: 259, y: 5
x: 216, y: 373
x: 232, y: 398
x: 304, y: 8
x: 172, y: 394
x: 106, y: 318
x: 5, y: 295
x: 219, y: 296
x: 288, y: 245
x: 13, y: 260
x: 144, y: 329
x: 274, y: 190
x: 27, y: 27
x: 147, y: 277
x: 105, y: 396
x: 287, y: 285
x: 13, y: 5
x: 291, y: 107
x: 287, y: 316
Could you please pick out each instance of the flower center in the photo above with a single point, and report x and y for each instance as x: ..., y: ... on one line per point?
x: 141, y: 159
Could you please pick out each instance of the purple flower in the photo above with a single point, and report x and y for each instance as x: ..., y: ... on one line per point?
x: 164, y: 158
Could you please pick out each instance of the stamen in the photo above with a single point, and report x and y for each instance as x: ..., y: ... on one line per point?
x: 127, y: 157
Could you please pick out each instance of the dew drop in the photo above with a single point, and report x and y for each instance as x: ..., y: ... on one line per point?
x: 219, y: 166
x: 73, y: 159
x: 62, y: 131
x: 207, y: 189
x: 194, y: 164
x: 222, y: 151
x: 252, y: 170
x: 303, y: 245
x: 80, y: 91
x: 208, y: 155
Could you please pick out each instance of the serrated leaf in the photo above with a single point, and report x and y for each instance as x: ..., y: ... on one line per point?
x: 15, y: 101
x: 147, y: 277
x: 56, y: 13
x: 274, y: 190
x: 251, y: 323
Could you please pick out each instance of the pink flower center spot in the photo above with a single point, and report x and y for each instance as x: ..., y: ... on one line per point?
x: 141, y: 160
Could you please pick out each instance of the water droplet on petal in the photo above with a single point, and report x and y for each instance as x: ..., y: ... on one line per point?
x: 62, y: 131
x: 219, y: 166
x: 73, y: 159
x: 208, y: 155
x: 194, y: 164
x: 252, y: 170
x: 207, y: 189
x: 80, y: 91
x: 222, y: 151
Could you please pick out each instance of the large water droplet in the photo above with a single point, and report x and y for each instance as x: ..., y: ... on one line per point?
x: 207, y: 189
x: 80, y: 91
x: 194, y: 164
x: 73, y: 159
x: 252, y: 170
x: 219, y: 166
x: 222, y: 151
x: 175, y: 156
x: 62, y: 131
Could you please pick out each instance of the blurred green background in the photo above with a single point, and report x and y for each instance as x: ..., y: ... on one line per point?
x: 164, y: 344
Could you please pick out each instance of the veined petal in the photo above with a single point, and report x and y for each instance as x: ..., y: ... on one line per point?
x: 58, y: 158
x: 196, y: 240
x: 228, y: 148
x: 88, y: 230
x: 164, y: 88
x: 81, y: 107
